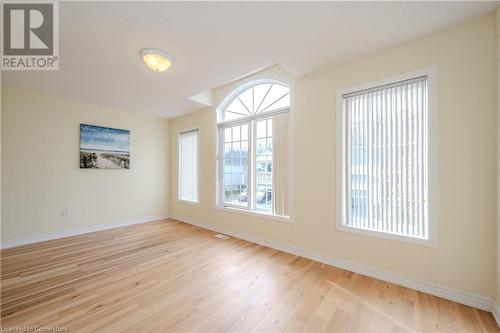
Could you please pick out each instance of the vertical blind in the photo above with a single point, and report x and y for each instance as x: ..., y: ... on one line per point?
x: 385, y: 184
x: 280, y: 164
x: 188, y: 166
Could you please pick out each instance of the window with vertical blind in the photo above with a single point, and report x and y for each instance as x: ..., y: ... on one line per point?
x: 188, y: 166
x: 253, y: 148
x: 385, y: 159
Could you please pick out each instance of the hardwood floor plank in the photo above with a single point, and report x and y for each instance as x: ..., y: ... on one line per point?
x: 168, y: 276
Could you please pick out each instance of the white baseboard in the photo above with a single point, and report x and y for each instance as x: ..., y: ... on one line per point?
x: 74, y: 232
x: 476, y: 301
x: 496, y: 312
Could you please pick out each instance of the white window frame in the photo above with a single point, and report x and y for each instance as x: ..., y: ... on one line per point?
x: 264, y: 117
x: 179, y: 133
x: 432, y: 151
x: 220, y: 169
x: 252, y: 141
x: 251, y: 121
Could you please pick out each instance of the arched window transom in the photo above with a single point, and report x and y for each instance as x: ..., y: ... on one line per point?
x: 260, y: 97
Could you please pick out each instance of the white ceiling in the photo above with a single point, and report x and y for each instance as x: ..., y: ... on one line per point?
x: 213, y: 43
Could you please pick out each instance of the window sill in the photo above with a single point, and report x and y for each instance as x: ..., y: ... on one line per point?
x: 388, y: 236
x: 196, y: 203
x: 285, y: 219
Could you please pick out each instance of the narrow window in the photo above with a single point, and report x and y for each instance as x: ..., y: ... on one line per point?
x: 385, y: 159
x: 188, y: 166
x: 264, y: 165
x: 235, y: 165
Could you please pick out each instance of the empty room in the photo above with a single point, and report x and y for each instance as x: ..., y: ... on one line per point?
x: 250, y: 166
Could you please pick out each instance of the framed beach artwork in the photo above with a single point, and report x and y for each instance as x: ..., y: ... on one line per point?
x: 104, y: 147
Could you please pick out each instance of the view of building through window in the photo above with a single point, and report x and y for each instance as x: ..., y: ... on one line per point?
x: 235, y: 180
x: 264, y: 165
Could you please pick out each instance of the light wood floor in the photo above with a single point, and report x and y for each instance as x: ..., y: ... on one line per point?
x: 170, y: 276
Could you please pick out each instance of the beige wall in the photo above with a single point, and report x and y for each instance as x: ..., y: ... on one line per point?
x: 0, y: 153
x: 465, y: 257
x: 41, y: 174
x: 498, y: 152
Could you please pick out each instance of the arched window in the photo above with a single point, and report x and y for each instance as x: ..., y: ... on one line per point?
x: 253, y: 148
x: 254, y: 98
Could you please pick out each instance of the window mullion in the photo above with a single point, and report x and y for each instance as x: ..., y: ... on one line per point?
x: 251, y: 164
x: 222, y: 158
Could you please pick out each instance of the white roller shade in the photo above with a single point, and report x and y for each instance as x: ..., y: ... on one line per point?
x: 188, y: 166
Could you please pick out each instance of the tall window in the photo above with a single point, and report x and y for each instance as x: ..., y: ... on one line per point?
x: 188, y: 166
x: 253, y: 148
x: 385, y: 159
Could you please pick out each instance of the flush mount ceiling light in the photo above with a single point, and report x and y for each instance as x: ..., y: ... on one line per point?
x: 156, y: 59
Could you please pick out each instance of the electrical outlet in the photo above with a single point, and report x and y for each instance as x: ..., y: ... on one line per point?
x: 65, y: 212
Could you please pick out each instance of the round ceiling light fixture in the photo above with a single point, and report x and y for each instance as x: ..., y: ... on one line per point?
x: 156, y: 60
